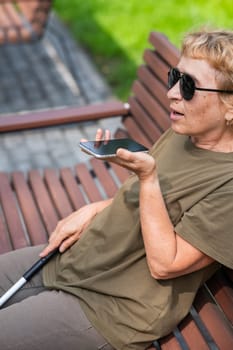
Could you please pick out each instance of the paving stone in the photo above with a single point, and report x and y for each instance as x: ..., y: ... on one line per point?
x: 51, y: 73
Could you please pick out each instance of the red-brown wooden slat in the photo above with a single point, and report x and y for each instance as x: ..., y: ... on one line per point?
x: 151, y: 105
x: 4, y: 18
x: 88, y: 183
x: 36, y: 14
x: 170, y: 343
x: 6, y: 25
x: 57, y: 192
x: 120, y: 172
x: 148, y: 127
x: 22, y: 20
x: 28, y: 8
x: 12, y: 15
x: 2, y: 36
x: 11, y: 213
x: 43, y: 201
x: 5, y: 244
x: 214, y: 320
x: 165, y: 48
x: 17, y: 21
x: 156, y: 65
x: 104, y: 177
x: 135, y: 132
x: 32, y: 218
x: 191, y: 334
x: 76, y: 197
x: 154, y: 86
x: 223, y: 293
x: 121, y: 133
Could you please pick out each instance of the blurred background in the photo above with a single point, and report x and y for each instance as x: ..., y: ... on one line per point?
x: 115, y: 32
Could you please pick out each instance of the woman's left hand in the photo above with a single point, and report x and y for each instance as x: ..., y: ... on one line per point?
x: 141, y: 163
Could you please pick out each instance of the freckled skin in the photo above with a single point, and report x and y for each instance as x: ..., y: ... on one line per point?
x: 203, y: 117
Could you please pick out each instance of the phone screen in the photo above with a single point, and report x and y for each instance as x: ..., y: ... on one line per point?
x: 104, y: 149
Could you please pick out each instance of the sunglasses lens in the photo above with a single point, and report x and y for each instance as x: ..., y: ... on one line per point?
x: 187, y: 84
x: 187, y: 87
x: 173, y: 77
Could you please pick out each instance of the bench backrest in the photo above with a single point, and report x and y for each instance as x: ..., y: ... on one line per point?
x: 23, y: 20
x: 149, y: 104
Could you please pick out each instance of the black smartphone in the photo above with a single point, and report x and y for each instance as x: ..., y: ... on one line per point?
x: 106, y: 149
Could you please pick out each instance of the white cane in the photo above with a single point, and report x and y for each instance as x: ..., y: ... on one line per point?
x: 26, y: 277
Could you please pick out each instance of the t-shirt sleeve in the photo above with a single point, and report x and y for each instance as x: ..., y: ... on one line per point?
x: 208, y: 225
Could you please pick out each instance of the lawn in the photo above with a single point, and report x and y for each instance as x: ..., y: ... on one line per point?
x: 115, y: 32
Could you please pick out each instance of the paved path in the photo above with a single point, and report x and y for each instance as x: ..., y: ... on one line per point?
x: 52, y: 73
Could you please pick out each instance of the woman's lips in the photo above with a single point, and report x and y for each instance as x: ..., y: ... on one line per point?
x: 175, y: 115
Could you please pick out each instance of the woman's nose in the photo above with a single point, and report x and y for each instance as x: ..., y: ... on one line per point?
x: 174, y: 92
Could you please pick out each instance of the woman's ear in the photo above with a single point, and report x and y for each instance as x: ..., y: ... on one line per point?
x: 229, y: 117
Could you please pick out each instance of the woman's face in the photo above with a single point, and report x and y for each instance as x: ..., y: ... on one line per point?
x: 203, y: 115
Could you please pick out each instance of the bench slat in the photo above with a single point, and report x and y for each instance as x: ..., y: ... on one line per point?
x: 43, y: 200
x: 31, y: 215
x: 148, y: 127
x: 88, y: 183
x: 214, y: 320
x: 12, y: 213
x: 151, y: 105
x: 154, y: 86
x: 157, y: 66
x: 5, y: 244
x: 223, y: 293
x: 58, y: 194
x: 192, y: 334
x: 23, y: 21
x: 36, y: 14
x: 17, y: 21
x: 75, y: 195
x: 169, y: 343
x: 166, y: 50
x: 104, y: 177
x: 135, y: 132
x: 120, y: 172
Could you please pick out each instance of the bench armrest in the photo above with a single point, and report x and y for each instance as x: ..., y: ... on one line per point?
x: 37, y: 119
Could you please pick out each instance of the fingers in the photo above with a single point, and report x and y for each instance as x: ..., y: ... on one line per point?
x: 68, y: 243
x: 58, y: 243
x: 46, y: 251
x: 63, y: 230
x: 102, y: 135
x: 141, y: 163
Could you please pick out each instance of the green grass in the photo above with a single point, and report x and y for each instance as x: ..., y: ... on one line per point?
x: 115, y: 32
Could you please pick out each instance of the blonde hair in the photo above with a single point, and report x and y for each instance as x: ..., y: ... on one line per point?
x: 216, y: 47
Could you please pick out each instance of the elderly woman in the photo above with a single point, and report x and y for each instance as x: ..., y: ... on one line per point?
x: 130, y: 267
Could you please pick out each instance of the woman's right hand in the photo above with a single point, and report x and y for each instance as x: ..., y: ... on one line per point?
x: 69, y: 229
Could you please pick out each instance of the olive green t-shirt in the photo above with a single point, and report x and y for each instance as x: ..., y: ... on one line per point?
x: 107, y: 269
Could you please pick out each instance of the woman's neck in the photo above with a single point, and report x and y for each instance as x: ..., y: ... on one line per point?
x: 222, y: 143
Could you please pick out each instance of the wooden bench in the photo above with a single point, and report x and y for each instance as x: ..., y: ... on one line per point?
x: 23, y: 20
x: 32, y: 204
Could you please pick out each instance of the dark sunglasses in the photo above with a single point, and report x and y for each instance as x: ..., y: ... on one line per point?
x: 187, y: 84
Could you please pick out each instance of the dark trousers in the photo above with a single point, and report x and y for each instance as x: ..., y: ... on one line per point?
x: 39, y: 319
